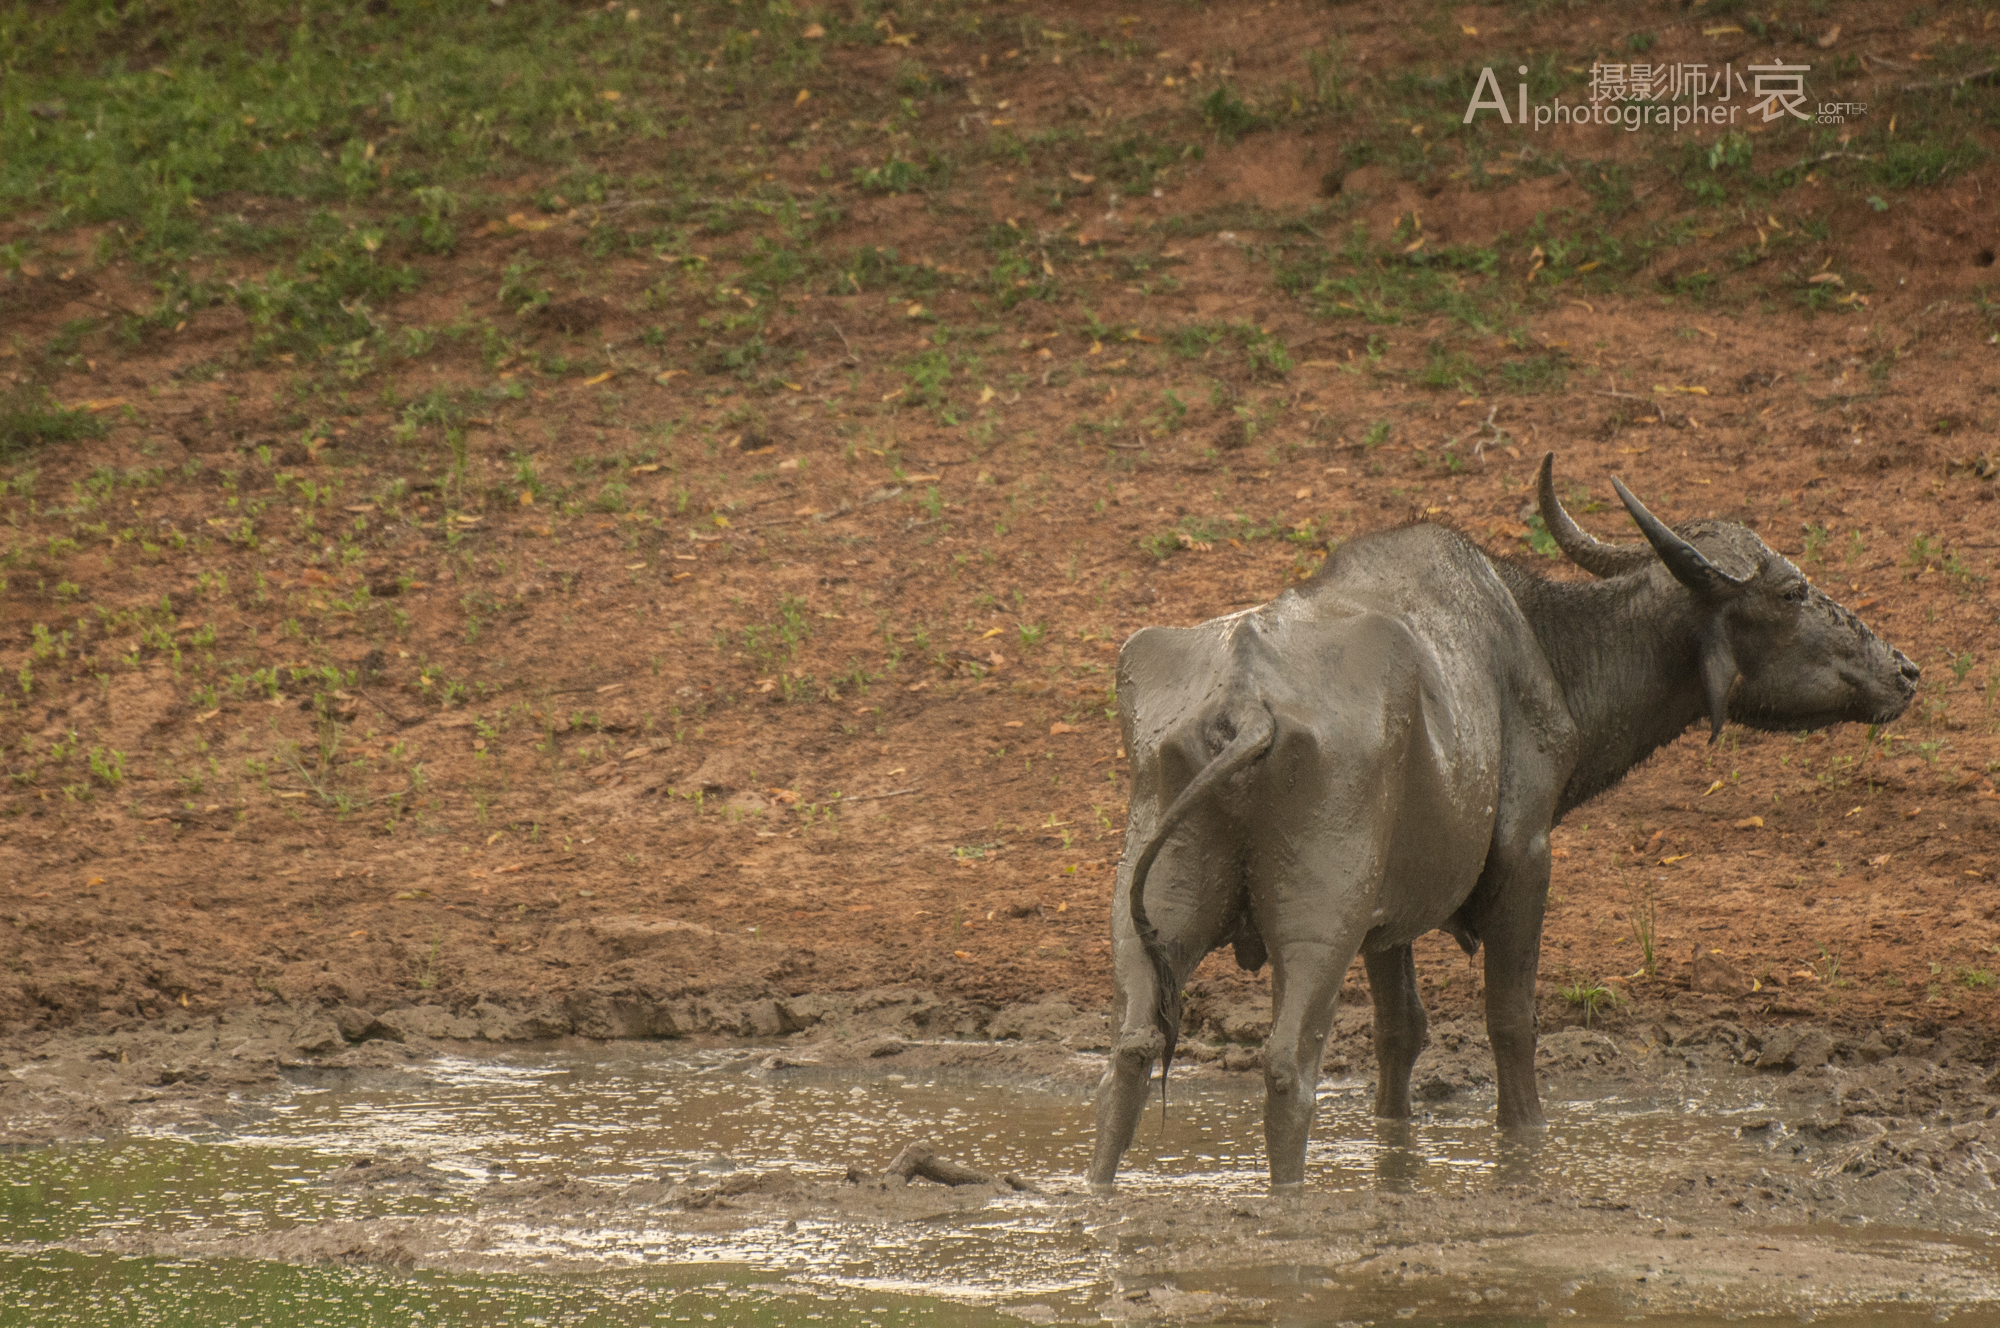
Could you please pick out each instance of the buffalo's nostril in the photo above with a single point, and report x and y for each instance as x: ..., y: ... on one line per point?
x: 1909, y: 667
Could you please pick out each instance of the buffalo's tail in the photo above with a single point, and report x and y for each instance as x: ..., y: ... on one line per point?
x: 1251, y: 741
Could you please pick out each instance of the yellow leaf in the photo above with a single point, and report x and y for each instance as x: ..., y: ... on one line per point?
x: 611, y: 94
x: 986, y: 394
x: 593, y: 381
x: 634, y: 567
x: 1468, y: 30
x: 900, y: 39
x: 1678, y: 857
x: 646, y: 469
x: 1721, y: 30
x: 1060, y: 727
x: 721, y: 520
x: 1081, y: 178
x: 527, y: 497
x: 805, y: 95
x: 960, y: 954
x: 990, y: 633
x: 1749, y: 823
x: 914, y: 311
x: 1711, y: 788
x: 813, y: 32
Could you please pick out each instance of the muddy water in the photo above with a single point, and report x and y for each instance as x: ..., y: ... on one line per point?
x: 463, y: 1190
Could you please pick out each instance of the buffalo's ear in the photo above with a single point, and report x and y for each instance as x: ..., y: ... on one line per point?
x: 1718, y: 675
x: 1683, y: 559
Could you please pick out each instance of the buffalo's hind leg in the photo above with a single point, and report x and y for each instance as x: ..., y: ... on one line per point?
x: 1401, y: 1030
x: 1305, y: 982
x: 1121, y: 1097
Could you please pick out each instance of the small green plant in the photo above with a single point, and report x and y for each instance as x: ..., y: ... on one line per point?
x: 30, y: 417
x: 1592, y: 998
x: 107, y: 767
x: 1229, y: 116
x: 1538, y: 537
x: 427, y: 975
x: 1977, y: 979
x: 1643, y: 918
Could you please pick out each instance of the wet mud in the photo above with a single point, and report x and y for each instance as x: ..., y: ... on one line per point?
x: 1711, y: 1170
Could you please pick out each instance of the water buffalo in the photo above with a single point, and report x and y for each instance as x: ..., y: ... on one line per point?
x: 1381, y: 752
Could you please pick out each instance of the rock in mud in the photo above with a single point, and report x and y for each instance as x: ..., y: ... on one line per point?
x: 353, y: 1022
x: 371, y: 1170
x: 1241, y: 1021
x: 430, y: 1021
x: 317, y: 1034
x: 1714, y: 975
x: 497, y: 1023
x: 1050, y: 1021
x: 621, y: 1015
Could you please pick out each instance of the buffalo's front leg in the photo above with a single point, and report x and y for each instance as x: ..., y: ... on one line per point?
x: 1511, y: 927
x: 1305, y: 978
x: 1401, y: 1031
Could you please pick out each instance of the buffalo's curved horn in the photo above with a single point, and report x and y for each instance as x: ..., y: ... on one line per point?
x: 1686, y: 562
x: 1581, y: 547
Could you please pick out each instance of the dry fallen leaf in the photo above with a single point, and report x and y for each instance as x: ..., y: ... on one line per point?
x: 961, y: 954
x: 1678, y: 857
x: 1878, y: 859
x: 1060, y: 727
x: 1749, y: 823
x: 813, y: 32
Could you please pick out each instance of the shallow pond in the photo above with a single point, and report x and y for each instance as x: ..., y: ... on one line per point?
x: 647, y: 1112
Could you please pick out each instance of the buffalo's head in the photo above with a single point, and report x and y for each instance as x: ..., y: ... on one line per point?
x: 1776, y: 651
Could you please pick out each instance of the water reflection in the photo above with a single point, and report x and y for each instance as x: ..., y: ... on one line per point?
x: 651, y: 1113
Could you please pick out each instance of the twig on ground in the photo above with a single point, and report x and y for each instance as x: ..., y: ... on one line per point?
x: 920, y: 1159
x: 1990, y: 74
x: 871, y: 797
x: 852, y: 358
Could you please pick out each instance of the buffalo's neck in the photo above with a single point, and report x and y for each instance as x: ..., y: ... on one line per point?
x: 1625, y: 653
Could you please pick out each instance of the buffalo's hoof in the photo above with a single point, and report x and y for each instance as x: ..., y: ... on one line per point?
x: 1288, y: 1188
x: 1104, y: 1189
